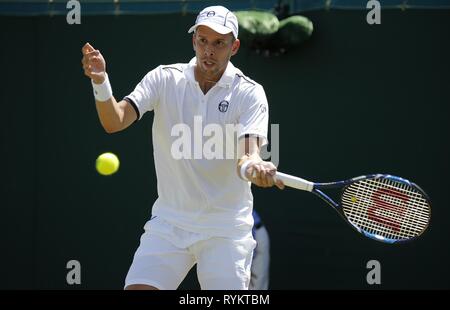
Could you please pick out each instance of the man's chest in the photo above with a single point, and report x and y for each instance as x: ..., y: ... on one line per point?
x: 187, y: 103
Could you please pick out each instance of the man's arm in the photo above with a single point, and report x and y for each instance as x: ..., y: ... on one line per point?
x: 114, y: 116
x: 257, y: 171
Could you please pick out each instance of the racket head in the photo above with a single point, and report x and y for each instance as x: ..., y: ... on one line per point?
x: 386, y: 208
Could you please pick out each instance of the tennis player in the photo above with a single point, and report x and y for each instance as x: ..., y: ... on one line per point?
x: 203, y: 214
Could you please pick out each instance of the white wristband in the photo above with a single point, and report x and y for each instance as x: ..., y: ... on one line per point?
x: 102, y: 92
x: 244, y: 168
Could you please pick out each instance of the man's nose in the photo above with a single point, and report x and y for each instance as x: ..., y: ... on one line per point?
x: 209, y: 50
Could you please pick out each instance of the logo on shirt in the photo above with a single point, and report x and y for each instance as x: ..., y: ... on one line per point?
x: 223, y: 106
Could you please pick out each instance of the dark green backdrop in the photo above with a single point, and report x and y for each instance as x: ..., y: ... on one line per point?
x: 355, y: 99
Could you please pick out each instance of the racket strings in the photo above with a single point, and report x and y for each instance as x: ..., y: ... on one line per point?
x: 387, y: 217
x: 385, y: 221
x: 386, y: 208
x: 382, y: 228
x: 392, y: 207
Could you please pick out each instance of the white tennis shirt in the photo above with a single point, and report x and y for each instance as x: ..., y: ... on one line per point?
x: 201, y: 193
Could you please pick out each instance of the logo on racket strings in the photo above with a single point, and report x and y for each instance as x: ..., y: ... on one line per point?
x: 389, y: 205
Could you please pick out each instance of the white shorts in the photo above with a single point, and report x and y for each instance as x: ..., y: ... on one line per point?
x: 167, y: 253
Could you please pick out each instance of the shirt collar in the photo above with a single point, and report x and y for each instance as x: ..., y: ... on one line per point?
x: 225, y: 80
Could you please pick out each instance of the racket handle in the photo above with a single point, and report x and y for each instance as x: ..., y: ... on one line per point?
x: 295, y: 182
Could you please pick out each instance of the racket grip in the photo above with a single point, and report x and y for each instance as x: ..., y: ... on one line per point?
x: 295, y: 182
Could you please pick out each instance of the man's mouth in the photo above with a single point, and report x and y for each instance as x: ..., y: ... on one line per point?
x: 208, y: 63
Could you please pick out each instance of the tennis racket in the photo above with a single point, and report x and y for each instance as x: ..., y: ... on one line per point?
x: 383, y: 207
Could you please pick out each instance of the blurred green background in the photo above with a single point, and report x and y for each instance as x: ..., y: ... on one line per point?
x: 354, y: 99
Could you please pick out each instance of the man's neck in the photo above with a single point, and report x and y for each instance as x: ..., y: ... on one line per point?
x: 205, y: 86
x: 206, y: 82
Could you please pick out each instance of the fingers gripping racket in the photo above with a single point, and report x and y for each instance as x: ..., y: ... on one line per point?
x: 380, y: 206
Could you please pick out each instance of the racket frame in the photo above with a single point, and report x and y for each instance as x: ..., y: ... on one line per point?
x: 316, y: 189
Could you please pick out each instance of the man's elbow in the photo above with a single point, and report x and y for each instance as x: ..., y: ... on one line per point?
x: 109, y: 128
x: 110, y: 131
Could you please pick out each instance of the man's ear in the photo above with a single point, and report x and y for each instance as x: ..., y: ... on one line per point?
x: 235, y: 47
x: 193, y: 41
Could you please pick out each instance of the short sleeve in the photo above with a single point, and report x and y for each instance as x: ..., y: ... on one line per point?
x: 254, y: 114
x: 147, y: 93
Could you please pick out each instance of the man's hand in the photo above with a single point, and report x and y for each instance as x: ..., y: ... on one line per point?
x: 94, y: 64
x: 263, y: 174
x: 259, y: 172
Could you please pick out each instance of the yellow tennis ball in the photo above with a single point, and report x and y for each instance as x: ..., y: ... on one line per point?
x: 107, y: 164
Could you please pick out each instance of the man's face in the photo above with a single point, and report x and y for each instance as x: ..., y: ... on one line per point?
x: 213, y: 51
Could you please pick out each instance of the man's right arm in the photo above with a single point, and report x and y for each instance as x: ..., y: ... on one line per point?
x: 114, y: 116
